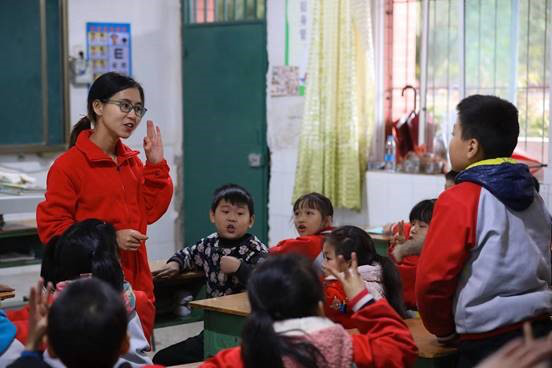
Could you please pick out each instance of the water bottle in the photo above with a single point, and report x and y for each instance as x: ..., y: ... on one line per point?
x: 390, y: 154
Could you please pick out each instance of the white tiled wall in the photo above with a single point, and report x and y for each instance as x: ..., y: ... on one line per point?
x: 391, y: 196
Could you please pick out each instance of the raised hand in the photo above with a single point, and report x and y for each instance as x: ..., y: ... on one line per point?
x: 350, y: 279
x: 38, y: 316
x: 153, y: 144
x: 130, y: 239
x: 399, y: 238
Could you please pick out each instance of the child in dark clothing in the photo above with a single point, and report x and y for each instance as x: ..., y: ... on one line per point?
x: 86, y: 326
x: 226, y: 256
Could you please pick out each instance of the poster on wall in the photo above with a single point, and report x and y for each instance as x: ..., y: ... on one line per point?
x: 108, y: 48
x: 289, y: 78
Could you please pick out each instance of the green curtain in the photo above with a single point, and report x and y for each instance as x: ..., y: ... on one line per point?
x: 336, y: 120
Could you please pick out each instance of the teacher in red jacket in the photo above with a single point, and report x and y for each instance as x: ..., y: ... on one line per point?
x: 100, y: 177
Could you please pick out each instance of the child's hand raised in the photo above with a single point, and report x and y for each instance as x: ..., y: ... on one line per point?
x: 399, y: 238
x: 229, y: 264
x: 350, y: 279
x: 38, y: 316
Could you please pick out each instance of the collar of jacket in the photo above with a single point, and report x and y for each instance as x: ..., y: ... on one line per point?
x: 94, y: 153
x: 510, y: 182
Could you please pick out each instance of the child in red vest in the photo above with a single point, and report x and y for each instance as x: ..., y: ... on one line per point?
x: 312, y: 217
x: 407, y: 245
x: 378, y: 273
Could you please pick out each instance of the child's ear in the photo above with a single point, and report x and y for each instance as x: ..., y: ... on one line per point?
x: 327, y: 221
x: 475, y: 151
x: 212, y: 216
x: 251, y: 221
x: 125, y: 346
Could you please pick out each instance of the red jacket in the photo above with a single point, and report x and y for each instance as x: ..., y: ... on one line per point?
x: 407, y: 271
x: 84, y: 183
x: 310, y: 246
x: 384, y: 341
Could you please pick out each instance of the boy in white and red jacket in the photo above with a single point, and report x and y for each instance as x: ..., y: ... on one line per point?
x: 485, y: 266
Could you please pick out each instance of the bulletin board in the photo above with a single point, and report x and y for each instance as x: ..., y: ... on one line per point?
x: 108, y: 48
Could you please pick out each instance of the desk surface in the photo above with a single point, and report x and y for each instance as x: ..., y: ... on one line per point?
x: 238, y: 304
x: 428, y: 347
x: 20, y: 227
x: 6, y: 292
x: 155, y: 265
x: 189, y: 365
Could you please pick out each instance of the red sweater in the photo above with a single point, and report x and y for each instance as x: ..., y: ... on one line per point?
x: 84, y: 183
x: 384, y: 341
x: 310, y: 246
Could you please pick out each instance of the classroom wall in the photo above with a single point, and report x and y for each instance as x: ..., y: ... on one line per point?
x: 156, y: 63
x: 284, y: 116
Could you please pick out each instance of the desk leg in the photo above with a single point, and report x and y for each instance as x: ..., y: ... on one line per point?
x: 222, y: 331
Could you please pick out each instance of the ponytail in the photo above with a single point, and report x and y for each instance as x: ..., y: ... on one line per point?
x: 47, y: 269
x: 282, y: 287
x: 83, y: 124
x: 392, y: 285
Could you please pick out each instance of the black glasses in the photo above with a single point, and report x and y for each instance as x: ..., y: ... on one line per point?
x: 126, y: 107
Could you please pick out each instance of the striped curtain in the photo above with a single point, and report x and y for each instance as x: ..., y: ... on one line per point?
x: 338, y: 116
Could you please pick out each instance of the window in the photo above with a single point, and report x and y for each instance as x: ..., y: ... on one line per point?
x: 223, y: 11
x: 498, y: 47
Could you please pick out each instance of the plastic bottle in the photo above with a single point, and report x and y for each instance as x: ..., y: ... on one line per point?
x: 390, y: 157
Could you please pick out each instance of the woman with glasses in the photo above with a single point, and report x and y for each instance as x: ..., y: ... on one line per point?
x: 100, y: 177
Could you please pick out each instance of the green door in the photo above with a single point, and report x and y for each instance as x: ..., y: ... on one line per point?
x: 224, y: 119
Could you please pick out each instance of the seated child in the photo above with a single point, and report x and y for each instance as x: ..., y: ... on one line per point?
x: 406, y: 247
x: 286, y: 326
x: 485, y: 267
x: 89, y: 249
x: 10, y: 347
x: 86, y: 326
x: 312, y: 217
x: 378, y: 273
x: 226, y: 256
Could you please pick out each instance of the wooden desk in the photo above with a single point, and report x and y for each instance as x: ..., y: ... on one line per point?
x: 186, y: 276
x: 225, y: 317
x: 6, y: 292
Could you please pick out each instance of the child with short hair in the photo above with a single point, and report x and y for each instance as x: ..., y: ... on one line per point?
x: 485, y: 267
x: 86, y: 326
x: 312, y: 217
x: 406, y: 247
x: 89, y: 249
x: 378, y: 273
x: 286, y: 326
x: 226, y: 257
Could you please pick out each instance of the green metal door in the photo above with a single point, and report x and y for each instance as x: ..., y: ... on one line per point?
x: 224, y: 131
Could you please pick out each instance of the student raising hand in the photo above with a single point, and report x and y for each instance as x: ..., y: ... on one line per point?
x: 521, y: 354
x: 38, y: 316
x: 153, y: 144
x: 350, y: 279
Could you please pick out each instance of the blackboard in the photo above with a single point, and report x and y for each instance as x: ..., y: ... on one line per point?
x: 32, y: 115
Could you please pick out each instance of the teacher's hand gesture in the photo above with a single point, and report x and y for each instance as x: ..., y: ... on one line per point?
x: 153, y: 144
